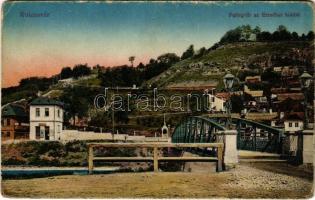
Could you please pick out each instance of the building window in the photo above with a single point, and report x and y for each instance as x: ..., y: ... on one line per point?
x: 58, y: 128
x: 46, y: 112
x: 58, y: 113
x: 212, y: 99
x: 296, y: 124
x: 37, y: 132
x: 37, y: 112
x: 290, y: 124
x: 8, y: 122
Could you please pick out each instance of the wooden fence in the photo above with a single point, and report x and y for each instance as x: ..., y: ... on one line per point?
x: 156, y: 158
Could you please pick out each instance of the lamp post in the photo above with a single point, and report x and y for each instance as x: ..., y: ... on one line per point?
x: 228, y: 80
x: 305, y: 80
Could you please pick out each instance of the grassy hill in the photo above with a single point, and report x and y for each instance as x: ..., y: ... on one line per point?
x: 211, y: 67
x: 206, y: 70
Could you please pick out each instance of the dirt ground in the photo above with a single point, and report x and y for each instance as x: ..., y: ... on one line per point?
x: 244, y: 181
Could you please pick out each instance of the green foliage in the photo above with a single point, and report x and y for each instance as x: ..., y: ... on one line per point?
x: 101, y: 119
x: 77, y: 101
x: 66, y: 72
x: 237, y: 103
x: 81, y: 70
x: 53, y: 153
x: 271, y: 77
x: 243, y: 33
x: 126, y: 76
x: 202, y: 51
x: 232, y: 36
x: 188, y: 53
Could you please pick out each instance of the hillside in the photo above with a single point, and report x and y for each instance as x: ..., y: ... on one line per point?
x: 205, y: 71
x: 251, y: 56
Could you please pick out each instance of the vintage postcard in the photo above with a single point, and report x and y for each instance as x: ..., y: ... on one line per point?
x: 157, y: 99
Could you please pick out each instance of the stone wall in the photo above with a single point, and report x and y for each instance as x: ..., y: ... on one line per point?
x: 89, y: 135
x: 68, y: 135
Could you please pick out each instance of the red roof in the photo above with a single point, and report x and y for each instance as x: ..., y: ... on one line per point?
x: 222, y: 95
x: 294, y: 96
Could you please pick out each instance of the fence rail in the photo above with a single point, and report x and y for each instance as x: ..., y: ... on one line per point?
x: 155, y: 158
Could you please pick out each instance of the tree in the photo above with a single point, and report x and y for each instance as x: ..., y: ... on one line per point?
x: 188, y: 53
x: 257, y: 30
x: 66, y: 72
x: 131, y: 60
x: 281, y: 28
x: 237, y: 103
x: 168, y: 58
x: 202, y: 51
x: 271, y: 77
x: 76, y: 102
x: 81, y: 70
x: 310, y: 36
x: 295, y: 36
x: 303, y: 37
x: 101, y: 119
x: 264, y: 36
x: 232, y: 36
x: 284, y: 34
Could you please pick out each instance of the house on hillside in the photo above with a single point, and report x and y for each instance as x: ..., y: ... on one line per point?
x: 277, y: 69
x: 217, y: 103
x: 293, y: 122
x: 46, y: 119
x: 295, y: 96
x: 14, y: 122
x: 252, y: 79
x: 253, y: 93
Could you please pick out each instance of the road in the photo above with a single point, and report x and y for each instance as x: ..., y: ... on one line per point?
x: 255, y: 180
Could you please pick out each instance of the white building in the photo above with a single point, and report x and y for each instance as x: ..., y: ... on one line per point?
x: 46, y: 118
x: 216, y: 104
x: 293, y: 125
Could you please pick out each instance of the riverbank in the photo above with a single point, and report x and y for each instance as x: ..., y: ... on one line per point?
x: 244, y: 181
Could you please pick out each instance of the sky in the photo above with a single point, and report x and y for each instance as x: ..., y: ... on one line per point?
x: 108, y: 33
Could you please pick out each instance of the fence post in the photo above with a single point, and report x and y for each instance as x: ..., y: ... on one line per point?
x: 90, y: 157
x: 155, y: 159
x: 220, y: 158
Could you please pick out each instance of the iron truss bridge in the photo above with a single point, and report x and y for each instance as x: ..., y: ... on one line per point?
x: 251, y: 135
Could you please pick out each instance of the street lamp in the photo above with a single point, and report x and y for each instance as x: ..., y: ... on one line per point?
x: 305, y: 80
x: 228, y: 80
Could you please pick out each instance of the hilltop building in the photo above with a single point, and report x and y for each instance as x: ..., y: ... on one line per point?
x: 46, y: 119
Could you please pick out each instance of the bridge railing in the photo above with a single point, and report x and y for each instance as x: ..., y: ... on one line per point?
x: 155, y: 158
x: 259, y: 136
x: 196, y: 129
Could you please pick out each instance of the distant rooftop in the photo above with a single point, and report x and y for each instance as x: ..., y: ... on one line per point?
x: 12, y: 110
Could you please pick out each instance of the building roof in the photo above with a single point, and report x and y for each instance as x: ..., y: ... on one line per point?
x: 12, y: 110
x: 298, y: 116
x: 294, y: 96
x: 46, y: 101
x: 222, y: 95
x: 255, y: 93
x: 256, y: 78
